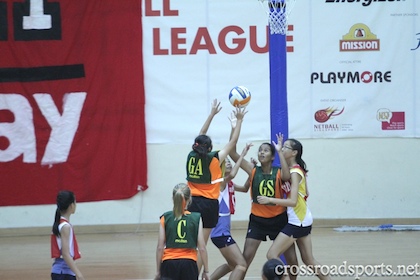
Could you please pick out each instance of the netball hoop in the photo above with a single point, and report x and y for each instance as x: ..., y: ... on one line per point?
x: 278, y: 12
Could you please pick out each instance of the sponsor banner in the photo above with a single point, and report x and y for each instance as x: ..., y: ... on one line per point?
x: 361, y: 77
x: 71, y: 101
x: 351, y: 69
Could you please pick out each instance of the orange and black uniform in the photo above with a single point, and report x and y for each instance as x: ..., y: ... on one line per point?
x: 179, y: 260
x: 266, y: 220
x: 204, y: 175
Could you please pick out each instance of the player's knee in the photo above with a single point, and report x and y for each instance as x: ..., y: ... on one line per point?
x: 270, y: 255
x: 241, y: 267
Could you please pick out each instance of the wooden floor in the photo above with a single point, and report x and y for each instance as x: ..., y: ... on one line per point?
x: 132, y: 255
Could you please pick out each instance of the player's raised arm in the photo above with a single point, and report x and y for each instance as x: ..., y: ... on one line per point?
x: 237, y: 165
x: 239, y: 115
x: 285, y: 171
x: 215, y: 108
x: 245, y: 165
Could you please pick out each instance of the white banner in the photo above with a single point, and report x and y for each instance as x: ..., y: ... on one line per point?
x: 352, y: 68
x: 358, y: 69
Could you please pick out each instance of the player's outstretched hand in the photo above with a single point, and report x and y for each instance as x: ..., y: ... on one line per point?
x: 279, y: 144
x: 232, y: 120
x: 215, y: 107
x: 240, y: 113
x: 246, y: 148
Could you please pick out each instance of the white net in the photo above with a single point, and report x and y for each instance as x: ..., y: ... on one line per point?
x: 278, y: 14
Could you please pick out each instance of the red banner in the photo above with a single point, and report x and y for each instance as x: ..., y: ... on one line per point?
x: 71, y: 100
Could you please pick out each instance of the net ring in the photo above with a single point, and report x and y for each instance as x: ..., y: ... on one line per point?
x: 278, y: 12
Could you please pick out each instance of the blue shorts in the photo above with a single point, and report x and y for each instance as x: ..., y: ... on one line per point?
x: 296, y: 231
x: 223, y: 241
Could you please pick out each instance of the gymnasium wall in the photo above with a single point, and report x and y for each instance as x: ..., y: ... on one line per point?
x: 349, y: 179
x: 362, y: 163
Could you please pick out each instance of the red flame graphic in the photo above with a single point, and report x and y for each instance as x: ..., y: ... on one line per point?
x: 324, y: 115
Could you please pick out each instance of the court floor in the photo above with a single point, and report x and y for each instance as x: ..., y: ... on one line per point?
x: 382, y: 254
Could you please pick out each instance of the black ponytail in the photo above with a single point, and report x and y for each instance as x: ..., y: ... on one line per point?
x: 64, y: 200
x: 297, y: 146
x: 202, y: 145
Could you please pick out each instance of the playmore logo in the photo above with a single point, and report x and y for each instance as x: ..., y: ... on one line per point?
x: 359, y: 38
x: 364, y: 2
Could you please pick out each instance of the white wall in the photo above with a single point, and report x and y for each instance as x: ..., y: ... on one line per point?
x: 348, y: 179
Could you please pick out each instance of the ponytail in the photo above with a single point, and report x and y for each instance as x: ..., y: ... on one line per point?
x: 64, y: 200
x: 181, y: 194
x: 55, y: 230
x: 202, y: 145
x: 297, y: 146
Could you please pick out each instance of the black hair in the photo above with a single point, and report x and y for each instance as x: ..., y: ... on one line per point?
x: 273, y: 269
x: 272, y: 148
x: 64, y: 200
x: 202, y: 145
x: 297, y: 146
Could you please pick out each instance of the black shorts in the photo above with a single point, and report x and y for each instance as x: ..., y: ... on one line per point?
x: 55, y: 276
x: 223, y: 241
x: 179, y: 269
x: 259, y: 228
x: 208, y: 208
x: 296, y: 231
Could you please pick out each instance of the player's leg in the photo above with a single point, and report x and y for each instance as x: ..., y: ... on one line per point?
x: 305, y: 248
x: 292, y: 262
x: 236, y: 261
x: 280, y: 245
x: 206, y: 234
x: 233, y: 256
x: 221, y: 271
x: 250, y: 249
x: 209, y: 210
